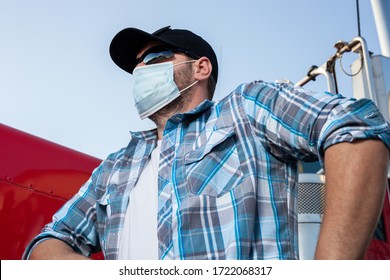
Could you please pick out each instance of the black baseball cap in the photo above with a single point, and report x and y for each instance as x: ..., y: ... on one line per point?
x: 126, y: 45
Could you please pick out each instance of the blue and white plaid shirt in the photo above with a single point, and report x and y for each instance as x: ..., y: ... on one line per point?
x: 227, y: 177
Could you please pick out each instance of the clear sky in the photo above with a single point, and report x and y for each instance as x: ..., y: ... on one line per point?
x: 57, y: 80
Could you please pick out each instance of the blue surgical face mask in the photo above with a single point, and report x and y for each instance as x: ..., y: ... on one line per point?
x: 154, y: 87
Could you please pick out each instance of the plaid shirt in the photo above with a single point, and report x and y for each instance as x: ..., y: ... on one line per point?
x: 227, y: 177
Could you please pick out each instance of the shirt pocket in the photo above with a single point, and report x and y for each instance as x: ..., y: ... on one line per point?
x: 213, y: 169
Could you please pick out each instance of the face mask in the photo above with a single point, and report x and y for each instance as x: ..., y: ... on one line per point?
x: 154, y: 87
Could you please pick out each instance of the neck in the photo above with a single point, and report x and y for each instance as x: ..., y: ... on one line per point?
x: 160, y: 122
x: 160, y: 118
x: 182, y: 104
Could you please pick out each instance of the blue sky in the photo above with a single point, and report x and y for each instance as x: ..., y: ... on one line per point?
x: 57, y: 80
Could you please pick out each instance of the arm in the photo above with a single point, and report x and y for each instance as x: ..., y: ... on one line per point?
x: 356, y: 177
x: 299, y: 125
x: 54, y: 249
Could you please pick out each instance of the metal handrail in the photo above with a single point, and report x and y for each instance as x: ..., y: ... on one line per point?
x: 359, y: 45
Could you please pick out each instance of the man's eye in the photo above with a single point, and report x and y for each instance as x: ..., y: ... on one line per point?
x: 156, y: 59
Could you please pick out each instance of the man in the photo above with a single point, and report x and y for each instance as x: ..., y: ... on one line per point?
x: 219, y: 180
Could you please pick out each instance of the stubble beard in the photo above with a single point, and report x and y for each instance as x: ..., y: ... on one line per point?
x: 183, y: 78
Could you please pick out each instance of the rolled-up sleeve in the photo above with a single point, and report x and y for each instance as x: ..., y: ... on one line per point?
x: 353, y: 120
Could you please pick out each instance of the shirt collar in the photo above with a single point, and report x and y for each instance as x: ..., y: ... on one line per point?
x: 200, y: 108
x: 145, y: 135
x: 190, y: 114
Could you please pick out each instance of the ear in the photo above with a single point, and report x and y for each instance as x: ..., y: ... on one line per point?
x: 202, y: 69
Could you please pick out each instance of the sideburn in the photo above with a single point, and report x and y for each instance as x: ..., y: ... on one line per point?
x: 183, y: 77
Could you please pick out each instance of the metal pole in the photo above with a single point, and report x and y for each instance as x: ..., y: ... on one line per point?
x: 368, y: 68
x: 381, y: 11
x: 320, y: 71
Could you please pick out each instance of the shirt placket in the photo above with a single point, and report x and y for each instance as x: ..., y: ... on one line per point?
x: 167, y: 187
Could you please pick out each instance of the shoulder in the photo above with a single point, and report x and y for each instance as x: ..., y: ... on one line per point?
x: 274, y: 95
x: 138, y: 145
x: 107, y: 165
x: 115, y: 156
x: 263, y: 92
x: 259, y: 95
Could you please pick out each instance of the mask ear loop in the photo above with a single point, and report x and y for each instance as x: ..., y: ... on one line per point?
x: 184, y: 62
x: 180, y: 91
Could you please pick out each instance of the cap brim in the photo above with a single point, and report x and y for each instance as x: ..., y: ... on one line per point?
x: 126, y: 45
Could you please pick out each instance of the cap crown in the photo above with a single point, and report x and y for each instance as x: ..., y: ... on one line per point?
x: 126, y: 45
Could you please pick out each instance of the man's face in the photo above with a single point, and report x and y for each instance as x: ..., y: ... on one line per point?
x: 156, y: 52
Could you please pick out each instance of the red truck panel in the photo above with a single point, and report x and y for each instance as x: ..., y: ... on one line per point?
x: 36, y: 178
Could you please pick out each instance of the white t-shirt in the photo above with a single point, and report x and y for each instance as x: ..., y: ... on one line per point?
x: 139, y: 238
